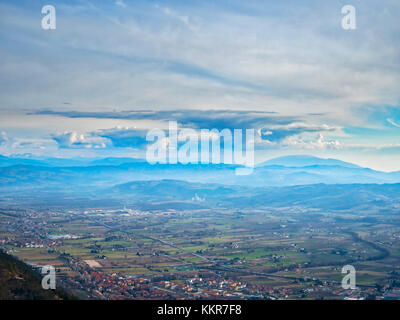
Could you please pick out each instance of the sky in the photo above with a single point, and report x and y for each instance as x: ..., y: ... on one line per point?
x: 112, y: 70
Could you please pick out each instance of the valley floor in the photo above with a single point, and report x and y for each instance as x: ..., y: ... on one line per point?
x: 268, y: 253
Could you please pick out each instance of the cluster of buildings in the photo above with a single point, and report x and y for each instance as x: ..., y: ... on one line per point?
x: 98, y: 285
x: 198, y: 287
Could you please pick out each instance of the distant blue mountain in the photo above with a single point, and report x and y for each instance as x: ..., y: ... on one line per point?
x: 305, y: 161
x: 6, y: 161
x: 283, y: 182
x: 113, y: 161
x: 284, y: 171
x: 65, y: 162
x: 48, y: 162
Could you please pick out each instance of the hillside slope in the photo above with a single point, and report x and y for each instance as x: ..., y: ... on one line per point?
x: 18, y: 281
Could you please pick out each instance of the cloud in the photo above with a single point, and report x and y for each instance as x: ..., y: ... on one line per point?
x: 271, y: 127
x: 3, y: 138
x: 120, y: 3
x: 392, y: 122
x: 279, y: 133
x: 174, y: 15
x: 124, y: 137
x: 24, y: 144
x: 146, y: 55
x: 117, y: 137
x: 76, y: 140
x: 319, y: 143
x: 196, y: 119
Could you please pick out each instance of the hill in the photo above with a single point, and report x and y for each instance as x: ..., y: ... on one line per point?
x: 18, y: 281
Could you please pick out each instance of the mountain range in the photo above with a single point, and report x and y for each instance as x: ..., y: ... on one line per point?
x: 284, y: 171
x: 294, y: 181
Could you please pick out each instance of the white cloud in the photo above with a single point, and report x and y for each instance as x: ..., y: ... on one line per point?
x: 3, y: 138
x: 281, y: 132
x: 120, y: 3
x: 76, y: 140
x: 392, y: 122
x: 29, y: 143
x: 174, y: 15
x: 319, y: 143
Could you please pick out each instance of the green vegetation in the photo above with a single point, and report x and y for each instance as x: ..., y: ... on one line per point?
x: 18, y: 281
